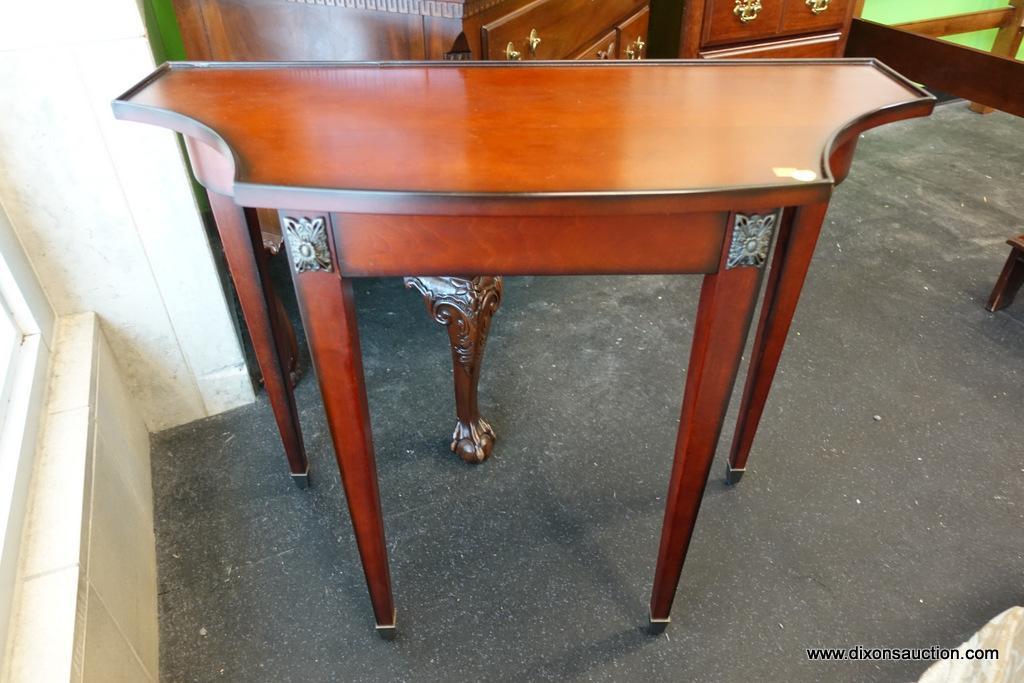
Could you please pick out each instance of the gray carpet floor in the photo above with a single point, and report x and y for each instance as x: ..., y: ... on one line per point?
x: 906, y: 531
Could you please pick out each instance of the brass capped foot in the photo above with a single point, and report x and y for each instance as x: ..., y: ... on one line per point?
x: 733, y: 476
x: 657, y: 626
x: 473, y: 442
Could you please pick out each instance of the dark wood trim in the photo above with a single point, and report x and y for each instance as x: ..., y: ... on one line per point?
x: 750, y: 51
x: 958, y: 23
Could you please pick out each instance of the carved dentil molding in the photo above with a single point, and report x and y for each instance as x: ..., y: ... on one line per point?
x: 427, y: 8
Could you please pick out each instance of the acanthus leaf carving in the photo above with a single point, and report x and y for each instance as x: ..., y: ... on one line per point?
x: 751, y: 239
x: 463, y: 305
x: 307, y: 243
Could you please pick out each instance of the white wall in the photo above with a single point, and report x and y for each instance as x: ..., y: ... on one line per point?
x: 27, y: 375
x: 86, y: 597
x: 104, y: 209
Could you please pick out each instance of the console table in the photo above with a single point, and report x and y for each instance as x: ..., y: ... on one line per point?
x: 688, y: 167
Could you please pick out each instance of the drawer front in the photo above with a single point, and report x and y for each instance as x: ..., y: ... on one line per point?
x: 633, y: 35
x: 814, y: 15
x: 736, y: 21
x: 815, y: 47
x: 605, y: 48
x: 560, y: 28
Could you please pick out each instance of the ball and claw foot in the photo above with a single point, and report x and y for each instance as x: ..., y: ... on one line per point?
x: 473, y: 442
x: 658, y: 626
x: 733, y: 476
x: 301, y: 480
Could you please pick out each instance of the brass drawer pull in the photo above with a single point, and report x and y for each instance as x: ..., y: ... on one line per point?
x: 635, y: 50
x: 747, y: 10
x: 534, y: 40
x: 511, y: 53
x: 818, y: 6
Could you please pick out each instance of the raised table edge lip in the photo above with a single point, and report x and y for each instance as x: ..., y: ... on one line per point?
x: 413, y: 202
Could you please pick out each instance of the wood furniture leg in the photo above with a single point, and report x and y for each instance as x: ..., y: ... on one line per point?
x: 247, y: 261
x: 286, y: 338
x: 465, y: 307
x: 798, y: 235
x: 328, y: 310
x: 272, y: 243
x: 1012, y: 277
x: 727, y: 301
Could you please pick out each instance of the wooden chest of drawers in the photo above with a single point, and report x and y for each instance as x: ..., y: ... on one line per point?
x: 413, y: 29
x: 764, y: 28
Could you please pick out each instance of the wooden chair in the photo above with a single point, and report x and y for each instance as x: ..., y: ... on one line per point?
x: 915, y: 50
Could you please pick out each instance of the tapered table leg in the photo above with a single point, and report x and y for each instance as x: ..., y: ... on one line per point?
x: 247, y: 261
x: 465, y: 306
x: 328, y: 310
x: 793, y: 251
x: 727, y: 302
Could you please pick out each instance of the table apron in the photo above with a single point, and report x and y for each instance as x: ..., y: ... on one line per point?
x: 380, y: 245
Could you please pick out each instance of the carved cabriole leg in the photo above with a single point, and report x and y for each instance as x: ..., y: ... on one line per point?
x: 247, y: 261
x: 465, y: 307
x: 727, y: 301
x: 793, y: 252
x: 328, y: 310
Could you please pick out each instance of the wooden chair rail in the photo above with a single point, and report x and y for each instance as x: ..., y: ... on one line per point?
x: 953, y: 24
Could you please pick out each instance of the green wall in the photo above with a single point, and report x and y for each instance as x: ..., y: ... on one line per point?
x: 897, y: 11
x: 165, y: 41
x: 162, y: 26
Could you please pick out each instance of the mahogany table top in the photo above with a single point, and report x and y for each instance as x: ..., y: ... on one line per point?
x: 379, y: 131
